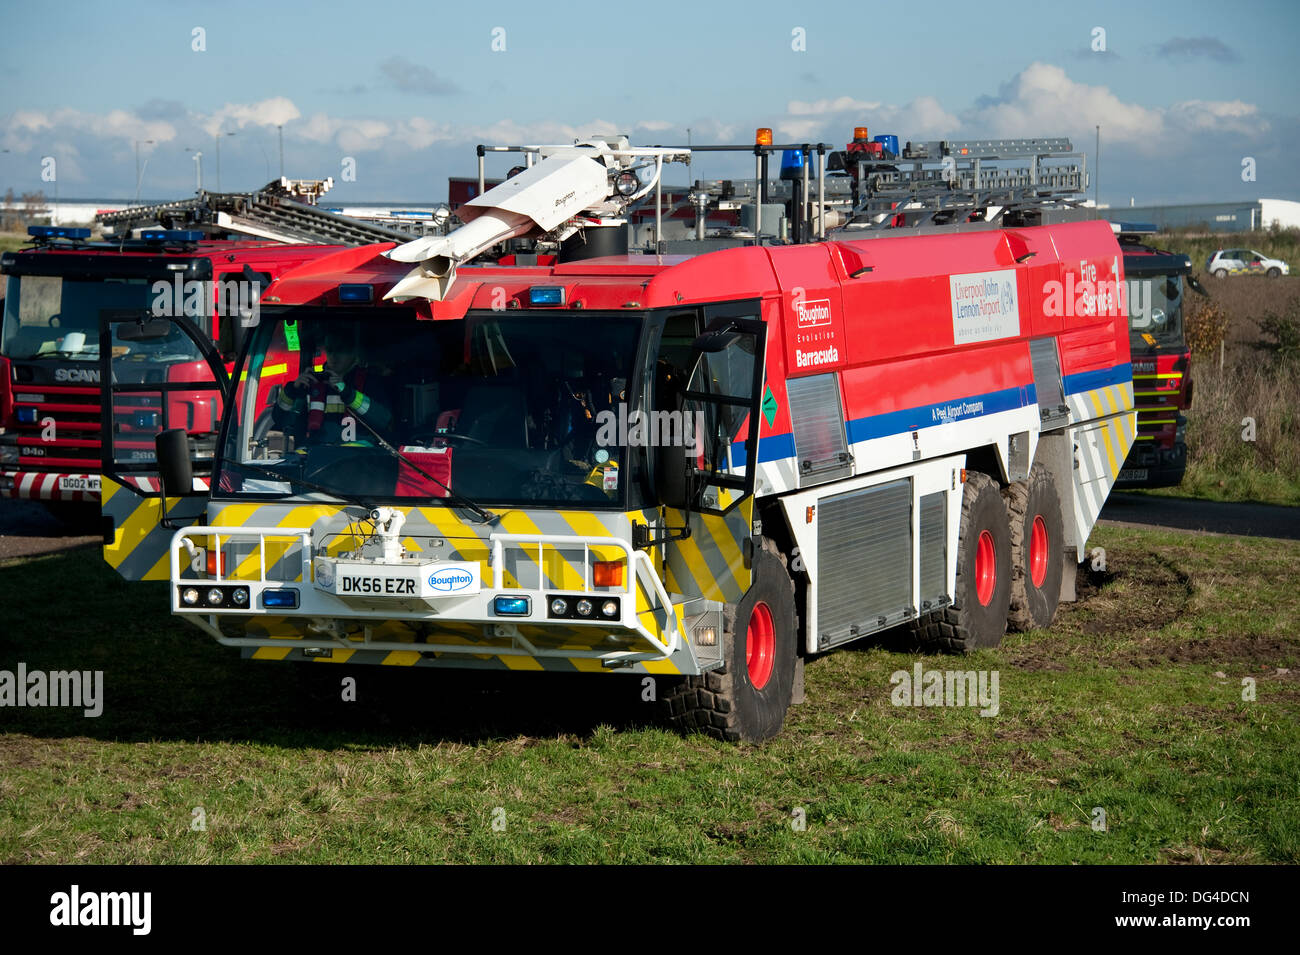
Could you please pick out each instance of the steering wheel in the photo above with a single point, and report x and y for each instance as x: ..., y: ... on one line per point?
x: 56, y: 320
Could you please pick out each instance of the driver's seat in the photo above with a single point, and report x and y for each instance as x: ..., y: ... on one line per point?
x: 496, y: 414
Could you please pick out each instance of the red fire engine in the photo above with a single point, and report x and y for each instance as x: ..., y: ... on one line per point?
x: 50, y: 395
x: 701, y: 469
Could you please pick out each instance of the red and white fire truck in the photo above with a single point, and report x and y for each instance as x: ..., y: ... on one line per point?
x: 228, y: 247
x: 704, y: 469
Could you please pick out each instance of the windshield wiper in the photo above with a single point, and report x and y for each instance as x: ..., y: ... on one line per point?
x: 486, y: 517
x: 290, y: 479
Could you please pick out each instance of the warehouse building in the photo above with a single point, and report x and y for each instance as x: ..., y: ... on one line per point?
x: 1216, y: 216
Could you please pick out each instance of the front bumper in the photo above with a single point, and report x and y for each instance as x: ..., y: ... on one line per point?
x: 260, y: 561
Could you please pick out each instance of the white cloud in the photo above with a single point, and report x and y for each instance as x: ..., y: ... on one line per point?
x: 269, y: 112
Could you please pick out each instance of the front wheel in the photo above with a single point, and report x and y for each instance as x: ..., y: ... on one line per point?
x: 1220, y: 273
x: 1274, y: 272
x: 746, y: 699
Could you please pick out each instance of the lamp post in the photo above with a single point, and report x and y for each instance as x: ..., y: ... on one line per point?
x: 1096, y: 174
x: 138, y: 143
x: 217, y: 140
x: 198, y: 167
x: 280, y: 128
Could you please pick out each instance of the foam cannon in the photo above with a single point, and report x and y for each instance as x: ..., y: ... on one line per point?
x: 594, y: 180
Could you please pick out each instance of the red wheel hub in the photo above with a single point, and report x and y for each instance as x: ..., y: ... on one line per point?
x: 1038, y: 549
x: 986, y: 568
x: 760, y: 645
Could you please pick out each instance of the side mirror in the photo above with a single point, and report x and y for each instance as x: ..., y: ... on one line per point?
x: 174, y: 467
x: 1197, y: 287
x: 671, y: 467
x: 713, y: 342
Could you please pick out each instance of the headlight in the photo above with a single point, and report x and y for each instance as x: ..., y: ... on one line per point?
x: 215, y: 596
x: 584, y: 608
x: 626, y: 183
x: 609, y: 608
x: 559, y: 606
x: 190, y: 596
x: 8, y: 454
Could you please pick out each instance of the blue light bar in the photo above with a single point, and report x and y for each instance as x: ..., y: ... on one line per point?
x: 546, y: 295
x: 512, y: 606
x: 56, y: 232
x: 1137, y: 228
x: 280, y: 599
x: 171, y: 235
x: 26, y: 415
x: 356, y: 293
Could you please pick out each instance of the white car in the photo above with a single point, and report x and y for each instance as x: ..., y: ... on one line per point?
x: 1227, y: 262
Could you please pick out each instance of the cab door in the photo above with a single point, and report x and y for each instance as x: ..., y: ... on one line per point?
x: 708, y: 485
x: 163, y: 385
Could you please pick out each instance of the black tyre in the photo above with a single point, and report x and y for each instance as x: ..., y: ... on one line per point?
x: 746, y: 699
x: 1220, y: 273
x: 1037, y: 554
x: 977, y: 617
x: 1274, y: 272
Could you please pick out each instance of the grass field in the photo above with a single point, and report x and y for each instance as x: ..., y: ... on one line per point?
x: 1133, y: 703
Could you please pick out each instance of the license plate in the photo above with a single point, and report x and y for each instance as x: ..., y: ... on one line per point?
x: 1133, y: 474
x: 368, y: 579
x: 89, y: 483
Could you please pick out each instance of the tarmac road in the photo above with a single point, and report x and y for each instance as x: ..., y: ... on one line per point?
x: 1173, y: 513
x: 27, y: 529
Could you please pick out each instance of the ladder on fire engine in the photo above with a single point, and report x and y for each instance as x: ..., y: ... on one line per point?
x: 273, y: 212
x: 947, y: 182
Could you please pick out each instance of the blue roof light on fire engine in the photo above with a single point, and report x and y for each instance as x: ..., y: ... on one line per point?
x: 792, y: 164
x: 546, y: 295
x: 356, y: 293
x: 171, y: 235
x: 56, y: 232
x: 505, y: 606
x: 280, y: 599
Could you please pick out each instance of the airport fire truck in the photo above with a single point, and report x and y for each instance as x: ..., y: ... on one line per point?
x: 704, y: 469
x: 208, y: 255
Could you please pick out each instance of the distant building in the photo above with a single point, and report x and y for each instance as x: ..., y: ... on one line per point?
x: 1215, y: 216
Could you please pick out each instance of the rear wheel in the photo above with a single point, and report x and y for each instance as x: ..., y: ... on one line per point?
x: 746, y: 698
x: 977, y: 617
x: 1036, y: 524
x: 1220, y: 273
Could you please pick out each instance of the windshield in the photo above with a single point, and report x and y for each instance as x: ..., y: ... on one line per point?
x: 518, y: 407
x: 49, y: 317
x: 1155, y: 308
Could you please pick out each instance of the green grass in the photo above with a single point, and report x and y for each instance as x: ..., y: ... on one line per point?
x: 12, y: 241
x: 1244, y: 484
x: 1120, y: 706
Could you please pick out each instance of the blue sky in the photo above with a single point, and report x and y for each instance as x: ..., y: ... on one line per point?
x: 1182, y: 92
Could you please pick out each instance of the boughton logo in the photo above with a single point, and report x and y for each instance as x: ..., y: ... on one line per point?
x: 77, y: 374
x: 812, y: 314
x: 450, y: 580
